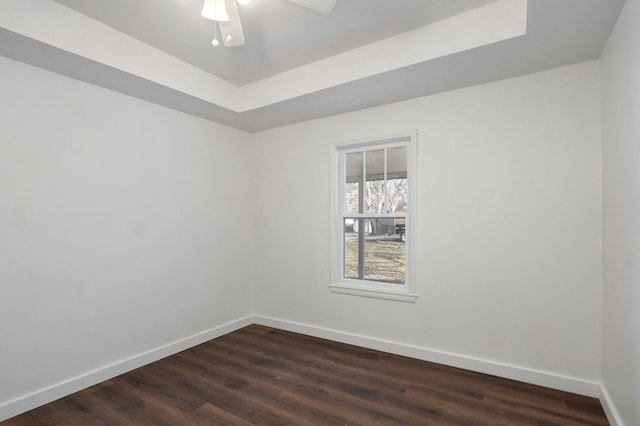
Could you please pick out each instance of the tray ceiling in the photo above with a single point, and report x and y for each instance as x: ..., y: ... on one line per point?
x: 297, y: 64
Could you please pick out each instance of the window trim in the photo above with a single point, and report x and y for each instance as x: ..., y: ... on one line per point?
x: 397, y: 292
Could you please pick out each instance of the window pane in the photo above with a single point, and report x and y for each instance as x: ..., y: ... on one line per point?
x: 382, y: 257
x: 374, y: 185
x: 353, y: 173
x: 397, y: 199
x: 397, y: 188
x: 375, y: 196
x: 351, y: 246
x: 384, y: 253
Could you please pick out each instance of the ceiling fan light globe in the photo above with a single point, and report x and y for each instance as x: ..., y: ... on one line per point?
x: 215, y: 10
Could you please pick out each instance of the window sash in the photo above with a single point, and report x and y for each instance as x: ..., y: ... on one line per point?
x: 375, y: 259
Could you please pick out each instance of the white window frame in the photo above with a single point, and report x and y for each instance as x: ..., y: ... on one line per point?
x: 399, y: 292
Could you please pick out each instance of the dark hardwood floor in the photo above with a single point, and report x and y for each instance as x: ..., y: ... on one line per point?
x: 265, y: 376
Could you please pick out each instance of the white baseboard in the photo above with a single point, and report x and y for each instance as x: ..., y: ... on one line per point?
x: 522, y: 374
x: 570, y: 384
x: 43, y: 396
x: 609, y: 408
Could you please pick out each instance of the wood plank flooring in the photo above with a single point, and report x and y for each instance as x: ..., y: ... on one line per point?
x: 264, y: 376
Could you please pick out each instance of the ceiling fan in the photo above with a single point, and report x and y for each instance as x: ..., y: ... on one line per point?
x: 227, y: 17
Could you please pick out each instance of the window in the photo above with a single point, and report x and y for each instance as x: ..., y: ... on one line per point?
x: 373, y: 212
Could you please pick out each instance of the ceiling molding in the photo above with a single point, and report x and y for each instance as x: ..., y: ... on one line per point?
x: 499, y: 40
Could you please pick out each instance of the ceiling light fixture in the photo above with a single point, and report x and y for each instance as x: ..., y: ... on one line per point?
x: 215, y: 10
x: 226, y: 16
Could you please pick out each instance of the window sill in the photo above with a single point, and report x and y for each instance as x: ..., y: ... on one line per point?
x: 398, y: 296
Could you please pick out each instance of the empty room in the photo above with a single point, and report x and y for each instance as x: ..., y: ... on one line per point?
x: 411, y: 212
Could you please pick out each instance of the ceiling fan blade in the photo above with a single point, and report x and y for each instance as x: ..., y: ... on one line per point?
x: 231, y: 30
x: 322, y: 6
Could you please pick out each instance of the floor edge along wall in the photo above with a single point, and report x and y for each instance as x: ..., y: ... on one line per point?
x: 540, y: 378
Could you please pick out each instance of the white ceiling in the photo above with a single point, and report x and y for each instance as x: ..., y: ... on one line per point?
x: 298, y: 64
x: 280, y: 35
